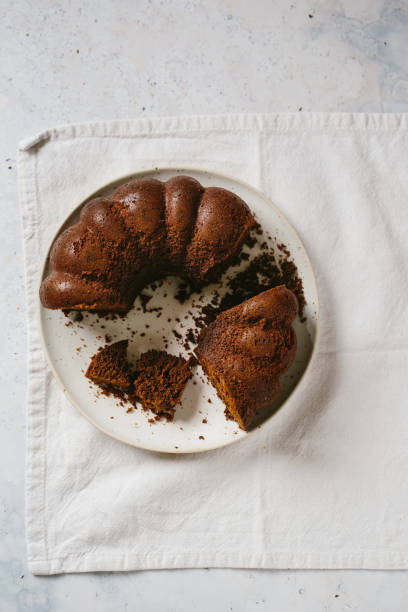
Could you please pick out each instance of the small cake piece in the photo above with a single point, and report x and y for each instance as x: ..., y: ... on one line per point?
x: 109, y: 366
x: 160, y: 381
x: 246, y: 350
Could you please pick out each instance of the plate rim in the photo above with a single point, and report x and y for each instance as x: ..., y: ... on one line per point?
x: 177, y: 170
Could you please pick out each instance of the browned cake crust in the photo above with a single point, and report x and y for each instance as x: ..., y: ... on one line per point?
x: 146, y: 229
x: 160, y: 381
x: 109, y: 366
x: 247, y: 348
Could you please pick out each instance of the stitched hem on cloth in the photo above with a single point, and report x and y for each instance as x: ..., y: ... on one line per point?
x: 279, y: 122
x: 274, y: 560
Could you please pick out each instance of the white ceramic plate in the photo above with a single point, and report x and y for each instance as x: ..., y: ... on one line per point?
x: 69, y: 347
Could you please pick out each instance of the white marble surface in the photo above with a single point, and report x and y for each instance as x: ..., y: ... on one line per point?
x: 74, y: 61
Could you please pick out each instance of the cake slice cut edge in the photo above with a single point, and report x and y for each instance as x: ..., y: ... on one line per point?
x: 228, y: 395
x: 160, y: 380
x: 109, y: 366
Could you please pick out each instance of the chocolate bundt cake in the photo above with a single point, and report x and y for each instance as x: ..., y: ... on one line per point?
x: 145, y: 230
x: 109, y: 366
x: 247, y: 348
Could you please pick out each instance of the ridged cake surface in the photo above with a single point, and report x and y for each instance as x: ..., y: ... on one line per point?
x: 145, y: 230
x: 247, y: 349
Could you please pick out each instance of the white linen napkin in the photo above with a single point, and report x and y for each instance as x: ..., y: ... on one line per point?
x: 323, y: 484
